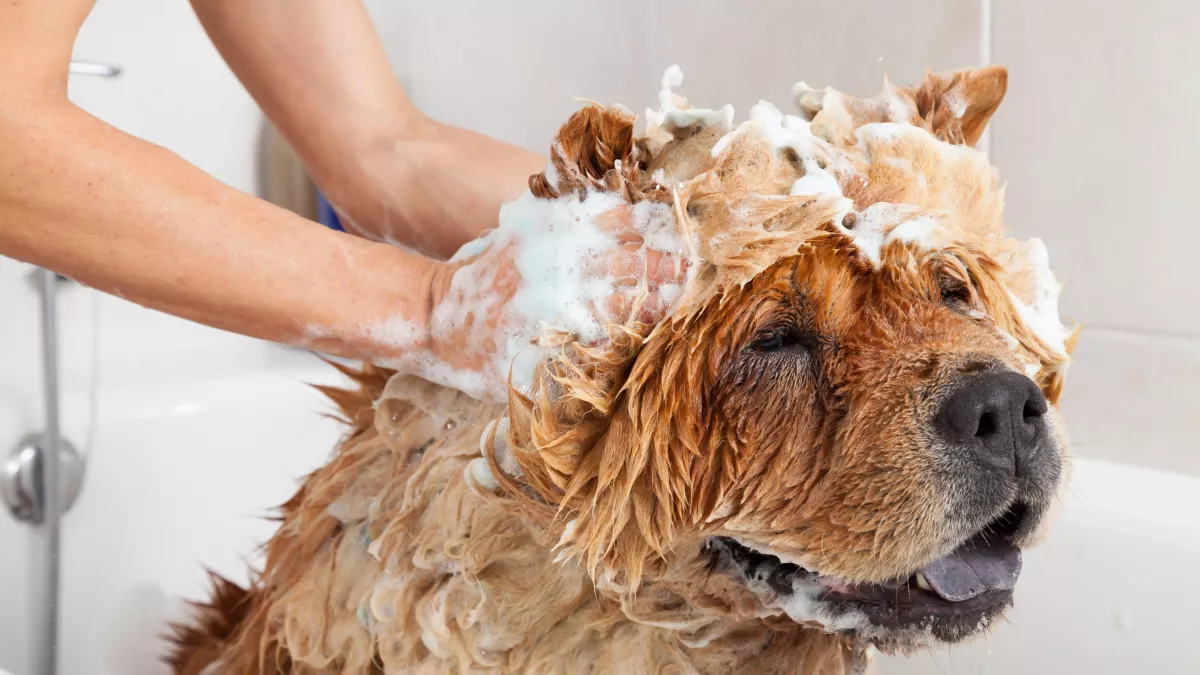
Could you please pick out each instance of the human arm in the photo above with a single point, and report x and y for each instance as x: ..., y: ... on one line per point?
x: 319, y: 71
x: 130, y: 218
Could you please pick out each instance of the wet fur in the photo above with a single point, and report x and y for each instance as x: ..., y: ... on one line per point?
x: 622, y: 460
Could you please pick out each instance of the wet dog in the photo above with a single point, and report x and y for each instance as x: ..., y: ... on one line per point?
x: 841, y: 435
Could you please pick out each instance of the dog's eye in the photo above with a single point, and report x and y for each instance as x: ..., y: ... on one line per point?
x: 954, y: 291
x: 774, y: 340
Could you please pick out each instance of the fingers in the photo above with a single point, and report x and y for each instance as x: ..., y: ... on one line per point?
x: 635, y: 301
x: 618, y: 222
x: 633, y: 257
x: 662, y: 268
x: 644, y: 283
x: 626, y: 300
x: 635, y: 261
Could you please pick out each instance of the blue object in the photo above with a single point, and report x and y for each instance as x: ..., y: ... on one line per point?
x: 326, y: 215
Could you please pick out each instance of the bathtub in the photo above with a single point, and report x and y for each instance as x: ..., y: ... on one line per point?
x: 180, y: 478
x: 181, y: 474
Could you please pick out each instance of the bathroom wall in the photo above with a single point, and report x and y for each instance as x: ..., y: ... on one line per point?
x: 1096, y: 141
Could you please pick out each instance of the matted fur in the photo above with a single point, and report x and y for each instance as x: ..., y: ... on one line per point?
x: 583, y: 555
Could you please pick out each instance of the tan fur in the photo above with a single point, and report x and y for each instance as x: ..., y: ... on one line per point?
x: 623, y: 459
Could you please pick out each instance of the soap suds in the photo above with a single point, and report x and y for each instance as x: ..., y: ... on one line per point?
x: 893, y: 132
x: 882, y: 222
x: 810, y: 101
x: 674, y: 112
x: 563, y: 249
x: 1041, y: 314
x: 921, y: 231
x: 897, y: 108
x: 557, y: 240
x: 471, y: 248
x: 656, y: 224
x: 806, y: 603
x: 477, y: 471
x: 879, y: 131
x: 394, y: 332
x: 567, y: 533
x: 817, y: 183
x: 823, y: 167
x: 669, y: 294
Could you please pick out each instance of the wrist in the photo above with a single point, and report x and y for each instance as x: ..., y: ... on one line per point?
x: 373, y: 180
x: 378, y: 304
x: 440, y: 276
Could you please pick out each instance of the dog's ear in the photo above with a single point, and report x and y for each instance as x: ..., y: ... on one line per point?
x: 594, y: 150
x: 604, y: 455
x: 957, y: 106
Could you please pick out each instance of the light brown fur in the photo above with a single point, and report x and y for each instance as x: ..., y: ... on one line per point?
x: 622, y: 460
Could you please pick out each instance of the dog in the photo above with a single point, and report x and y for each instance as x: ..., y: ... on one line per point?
x: 837, y: 441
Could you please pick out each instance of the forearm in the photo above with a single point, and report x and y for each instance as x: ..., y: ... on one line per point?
x: 133, y: 219
x: 454, y: 182
x: 319, y: 72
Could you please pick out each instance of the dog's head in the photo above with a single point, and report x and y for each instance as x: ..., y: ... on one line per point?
x: 849, y: 416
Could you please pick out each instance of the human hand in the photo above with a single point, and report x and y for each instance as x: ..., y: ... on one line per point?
x: 570, y: 266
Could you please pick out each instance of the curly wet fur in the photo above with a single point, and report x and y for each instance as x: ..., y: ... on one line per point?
x: 584, y: 554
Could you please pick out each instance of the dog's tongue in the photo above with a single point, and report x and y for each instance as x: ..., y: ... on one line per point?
x: 977, y: 566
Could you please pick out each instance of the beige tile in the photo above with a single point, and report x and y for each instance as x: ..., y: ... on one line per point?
x: 740, y: 52
x: 390, y: 17
x: 1097, y: 142
x: 510, y: 70
x: 1133, y: 398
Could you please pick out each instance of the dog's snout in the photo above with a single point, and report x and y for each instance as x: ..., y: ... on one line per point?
x: 998, y: 416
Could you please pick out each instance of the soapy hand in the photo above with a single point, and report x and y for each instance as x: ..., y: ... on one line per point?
x: 572, y: 266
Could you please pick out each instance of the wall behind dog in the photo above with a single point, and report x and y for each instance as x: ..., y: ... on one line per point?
x: 1097, y: 142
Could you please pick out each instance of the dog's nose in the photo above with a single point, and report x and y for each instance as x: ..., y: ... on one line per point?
x: 998, y: 416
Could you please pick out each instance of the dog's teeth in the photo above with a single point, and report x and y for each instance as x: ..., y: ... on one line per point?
x: 922, y: 583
